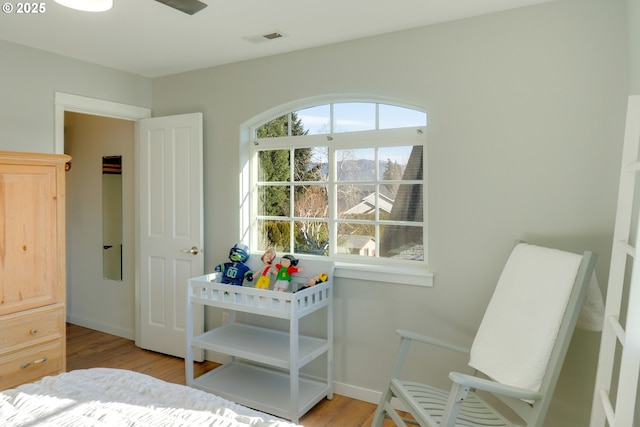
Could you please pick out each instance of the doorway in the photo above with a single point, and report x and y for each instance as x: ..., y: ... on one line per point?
x: 97, y: 298
x: 91, y: 109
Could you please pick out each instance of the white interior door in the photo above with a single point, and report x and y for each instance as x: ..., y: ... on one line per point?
x: 170, y: 230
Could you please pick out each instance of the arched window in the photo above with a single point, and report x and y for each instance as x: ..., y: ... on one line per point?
x: 344, y: 180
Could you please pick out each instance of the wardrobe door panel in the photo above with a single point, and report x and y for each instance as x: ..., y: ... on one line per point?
x: 28, y: 237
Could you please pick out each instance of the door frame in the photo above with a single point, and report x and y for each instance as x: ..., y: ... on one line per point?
x: 97, y: 107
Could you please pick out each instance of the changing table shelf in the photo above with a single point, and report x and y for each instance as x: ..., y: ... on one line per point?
x: 263, y: 388
x: 240, y: 340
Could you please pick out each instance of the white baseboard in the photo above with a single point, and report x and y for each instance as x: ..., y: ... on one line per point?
x: 354, y: 392
x: 108, y: 329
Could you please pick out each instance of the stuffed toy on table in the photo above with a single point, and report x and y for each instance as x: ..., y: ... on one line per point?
x: 236, y: 271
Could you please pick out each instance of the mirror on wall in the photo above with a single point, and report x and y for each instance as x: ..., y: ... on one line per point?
x: 112, y: 217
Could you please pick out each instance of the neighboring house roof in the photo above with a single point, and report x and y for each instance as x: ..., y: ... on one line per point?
x: 415, y: 252
x: 368, y: 205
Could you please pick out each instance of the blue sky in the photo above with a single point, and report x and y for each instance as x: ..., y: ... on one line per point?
x: 349, y: 117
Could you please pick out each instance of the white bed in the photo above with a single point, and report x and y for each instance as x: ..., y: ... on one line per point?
x: 115, y: 397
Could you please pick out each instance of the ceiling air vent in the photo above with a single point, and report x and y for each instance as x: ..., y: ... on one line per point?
x: 187, y: 6
x: 272, y: 36
x: 260, y: 38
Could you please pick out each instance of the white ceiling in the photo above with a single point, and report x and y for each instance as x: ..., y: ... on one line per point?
x: 151, y: 39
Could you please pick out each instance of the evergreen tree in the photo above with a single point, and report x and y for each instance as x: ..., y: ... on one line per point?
x: 274, y: 167
x: 392, y: 172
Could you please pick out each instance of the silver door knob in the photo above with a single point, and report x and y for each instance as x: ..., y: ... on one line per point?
x: 193, y: 251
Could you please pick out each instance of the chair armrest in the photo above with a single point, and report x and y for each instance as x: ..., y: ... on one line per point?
x: 494, y: 387
x: 432, y: 341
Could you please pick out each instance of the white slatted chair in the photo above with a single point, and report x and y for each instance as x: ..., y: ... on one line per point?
x: 516, y: 355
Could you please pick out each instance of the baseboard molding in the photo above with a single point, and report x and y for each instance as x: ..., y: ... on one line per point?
x: 359, y: 393
x: 107, y: 329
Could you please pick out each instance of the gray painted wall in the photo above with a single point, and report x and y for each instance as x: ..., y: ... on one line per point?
x: 633, y: 18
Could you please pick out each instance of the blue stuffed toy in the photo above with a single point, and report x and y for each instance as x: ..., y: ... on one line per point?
x: 236, y: 271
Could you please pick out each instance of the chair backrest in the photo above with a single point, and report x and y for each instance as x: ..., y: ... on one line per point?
x: 526, y: 330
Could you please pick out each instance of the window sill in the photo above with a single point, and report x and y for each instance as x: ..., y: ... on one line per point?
x: 374, y: 273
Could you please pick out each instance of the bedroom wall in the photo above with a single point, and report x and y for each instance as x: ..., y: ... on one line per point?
x: 30, y: 78
x: 633, y: 17
x: 526, y: 115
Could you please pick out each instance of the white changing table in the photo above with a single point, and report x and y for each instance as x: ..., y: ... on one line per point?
x: 264, y: 372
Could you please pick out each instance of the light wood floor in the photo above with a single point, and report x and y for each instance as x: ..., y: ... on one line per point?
x: 87, y: 348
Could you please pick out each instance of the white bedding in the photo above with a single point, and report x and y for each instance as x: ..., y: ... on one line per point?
x: 114, y: 397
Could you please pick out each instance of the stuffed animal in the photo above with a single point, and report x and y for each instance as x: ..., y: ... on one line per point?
x: 236, y: 271
x: 267, y: 258
x: 320, y: 278
x: 286, y: 268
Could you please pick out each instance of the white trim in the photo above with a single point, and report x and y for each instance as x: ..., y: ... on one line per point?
x: 359, y: 393
x: 385, y: 273
x: 80, y: 104
x: 102, y: 327
x: 366, y: 395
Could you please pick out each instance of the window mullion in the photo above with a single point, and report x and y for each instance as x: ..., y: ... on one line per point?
x: 331, y: 124
x: 292, y: 201
x: 333, y: 200
x: 376, y: 228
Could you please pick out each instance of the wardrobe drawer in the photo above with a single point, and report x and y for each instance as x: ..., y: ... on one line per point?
x: 31, y: 364
x: 31, y: 327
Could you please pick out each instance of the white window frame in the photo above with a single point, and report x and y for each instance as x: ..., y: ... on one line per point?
x: 347, y: 266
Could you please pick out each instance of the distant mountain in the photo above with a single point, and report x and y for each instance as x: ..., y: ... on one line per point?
x: 358, y: 170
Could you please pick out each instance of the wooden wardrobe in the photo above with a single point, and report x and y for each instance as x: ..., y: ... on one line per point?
x: 32, y: 266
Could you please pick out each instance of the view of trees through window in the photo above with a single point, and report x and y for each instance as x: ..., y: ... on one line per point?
x: 359, y: 196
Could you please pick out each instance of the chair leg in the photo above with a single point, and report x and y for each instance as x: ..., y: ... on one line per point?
x: 457, y: 395
x: 378, y: 418
x: 385, y: 400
